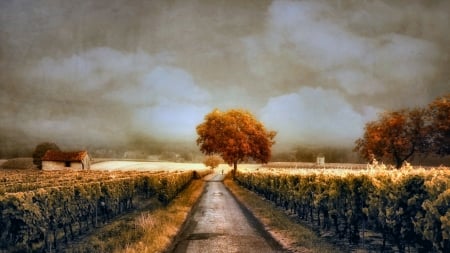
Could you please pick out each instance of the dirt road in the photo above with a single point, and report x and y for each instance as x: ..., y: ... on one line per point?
x: 219, y: 224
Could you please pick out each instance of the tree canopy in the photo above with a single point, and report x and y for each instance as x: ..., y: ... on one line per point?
x: 395, y: 136
x: 438, y: 114
x: 40, y: 151
x: 236, y: 135
x: 398, y: 135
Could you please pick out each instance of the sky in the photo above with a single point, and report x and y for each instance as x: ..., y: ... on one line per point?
x: 105, y: 72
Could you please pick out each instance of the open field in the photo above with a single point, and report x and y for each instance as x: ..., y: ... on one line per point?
x: 146, y: 166
x: 309, y: 165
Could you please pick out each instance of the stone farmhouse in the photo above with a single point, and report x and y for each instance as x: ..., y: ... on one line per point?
x: 58, y: 160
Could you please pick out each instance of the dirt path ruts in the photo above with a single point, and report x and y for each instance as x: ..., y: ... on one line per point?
x: 220, y: 224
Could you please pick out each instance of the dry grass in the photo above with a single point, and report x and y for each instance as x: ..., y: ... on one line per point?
x: 152, y: 230
x: 283, y: 228
x: 162, y: 225
x: 145, y: 222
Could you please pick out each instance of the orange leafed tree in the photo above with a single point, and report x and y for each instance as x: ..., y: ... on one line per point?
x: 212, y: 161
x: 439, y: 133
x: 40, y: 151
x: 395, y: 136
x: 236, y: 135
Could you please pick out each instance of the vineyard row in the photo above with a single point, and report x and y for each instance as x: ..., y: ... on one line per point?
x: 408, y: 209
x: 28, y: 180
x: 37, y: 220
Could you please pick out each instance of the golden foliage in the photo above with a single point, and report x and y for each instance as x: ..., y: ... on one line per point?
x: 212, y: 161
x: 236, y: 136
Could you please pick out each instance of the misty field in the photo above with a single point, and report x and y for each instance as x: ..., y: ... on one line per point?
x: 146, y: 166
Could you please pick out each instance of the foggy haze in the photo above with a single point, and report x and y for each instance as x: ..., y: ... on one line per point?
x: 85, y: 73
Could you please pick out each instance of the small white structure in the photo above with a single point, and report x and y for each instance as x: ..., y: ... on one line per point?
x: 320, y: 160
x: 58, y: 160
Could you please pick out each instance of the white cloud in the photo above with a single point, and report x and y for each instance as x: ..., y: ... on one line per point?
x: 354, y: 82
x: 314, y: 116
x: 171, y: 121
x: 161, y: 84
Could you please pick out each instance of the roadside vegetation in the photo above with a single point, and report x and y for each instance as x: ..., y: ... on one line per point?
x: 290, y: 234
x: 407, y: 209
x: 47, y: 211
x: 151, y: 230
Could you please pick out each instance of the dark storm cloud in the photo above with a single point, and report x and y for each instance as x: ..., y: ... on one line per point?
x: 315, y: 71
x: 105, y: 94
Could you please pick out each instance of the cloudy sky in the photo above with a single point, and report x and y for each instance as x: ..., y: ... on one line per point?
x: 103, y: 71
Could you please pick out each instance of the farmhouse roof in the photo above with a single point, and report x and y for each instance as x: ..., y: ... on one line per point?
x: 59, y: 156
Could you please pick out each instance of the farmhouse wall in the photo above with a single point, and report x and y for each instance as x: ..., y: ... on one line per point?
x: 87, y: 163
x: 57, y: 160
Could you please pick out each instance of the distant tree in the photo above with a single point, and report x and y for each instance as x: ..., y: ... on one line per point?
x: 40, y: 151
x: 395, y: 136
x: 438, y: 113
x: 212, y: 161
x: 236, y: 136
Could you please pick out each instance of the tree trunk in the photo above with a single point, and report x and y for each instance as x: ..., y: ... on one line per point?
x: 398, y: 164
x: 398, y: 160
x: 233, y: 172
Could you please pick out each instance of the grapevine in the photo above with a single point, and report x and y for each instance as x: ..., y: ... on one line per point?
x: 41, y: 209
x: 409, y: 208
